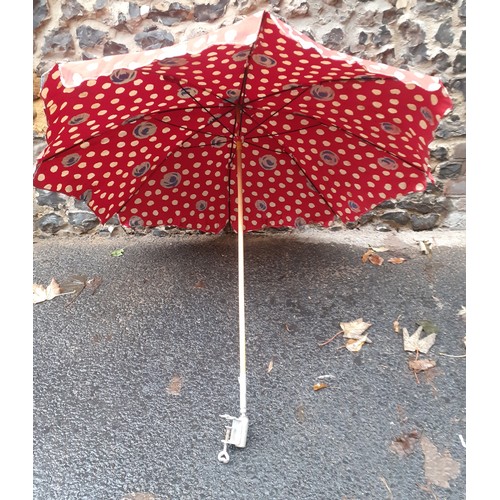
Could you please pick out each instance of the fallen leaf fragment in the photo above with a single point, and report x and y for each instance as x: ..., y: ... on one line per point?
x: 354, y: 329
x: 41, y: 294
x: 366, y: 255
x: 379, y: 249
x: 174, y: 387
x: 395, y: 324
x: 371, y: 256
x: 396, y: 260
x: 356, y: 345
x: 94, y: 283
x: 420, y: 365
x: 439, y: 468
x: 200, y: 284
x: 117, y: 253
x: 74, y: 286
x: 327, y: 341
x: 405, y: 445
x: 462, y: 312
x: 319, y: 385
x: 270, y: 366
x: 375, y: 259
x: 415, y: 343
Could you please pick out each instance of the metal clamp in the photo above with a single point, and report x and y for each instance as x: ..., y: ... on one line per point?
x: 236, y: 434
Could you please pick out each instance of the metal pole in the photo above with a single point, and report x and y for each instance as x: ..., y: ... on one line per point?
x: 241, y: 282
x: 236, y: 434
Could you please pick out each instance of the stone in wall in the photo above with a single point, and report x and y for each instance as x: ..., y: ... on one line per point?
x: 204, y: 12
x: 333, y: 39
x: 382, y: 37
x: 51, y: 199
x: 296, y: 8
x: 71, y: 9
x: 459, y: 65
x: 424, y: 222
x: 412, y: 32
x: 434, y: 10
x: 175, y: 14
x: 112, y: 48
x: 459, y: 85
x: 40, y: 13
x: 423, y: 203
x: 59, y: 42
x: 51, y: 223
x: 451, y: 126
x: 450, y: 170
x: 445, y: 34
x: 89, y: 37
x: 441, y: 61
x: 154, y: 38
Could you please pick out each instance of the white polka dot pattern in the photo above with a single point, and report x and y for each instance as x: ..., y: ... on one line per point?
x: 151, y: 135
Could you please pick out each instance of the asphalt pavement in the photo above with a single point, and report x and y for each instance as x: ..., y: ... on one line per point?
x: 131, y: 375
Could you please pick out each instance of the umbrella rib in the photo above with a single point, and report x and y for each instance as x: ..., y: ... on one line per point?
x: 304, y: 90
x: 232, y: 132
x: 363, y: 139
x: 342, y: 129
x: 321, y: 82
x: 206, y: 108
x: 216, y: 118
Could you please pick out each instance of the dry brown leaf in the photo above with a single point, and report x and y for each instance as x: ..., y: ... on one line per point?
x: 420, y: 365
x: 379, y: 249
x: 366, y: 255
x: 200, y: 284
x: 439, y: 467
x: 396, y: 260
x: 94, y: 283
x: 354, y: 329
x: 53, y: 290
x: 404, y: 445
x: 415, y: 343
x: 375, y: 259
x: 319, y: 385
x: 355, y: 345
x: 74, y: 286
x: 174, y: 387
x: 41, y: 294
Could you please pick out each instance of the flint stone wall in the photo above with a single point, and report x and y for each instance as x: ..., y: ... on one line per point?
x: 424, y: 35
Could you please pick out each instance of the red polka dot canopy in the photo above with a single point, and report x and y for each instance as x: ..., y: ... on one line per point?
x: 158, y: 137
